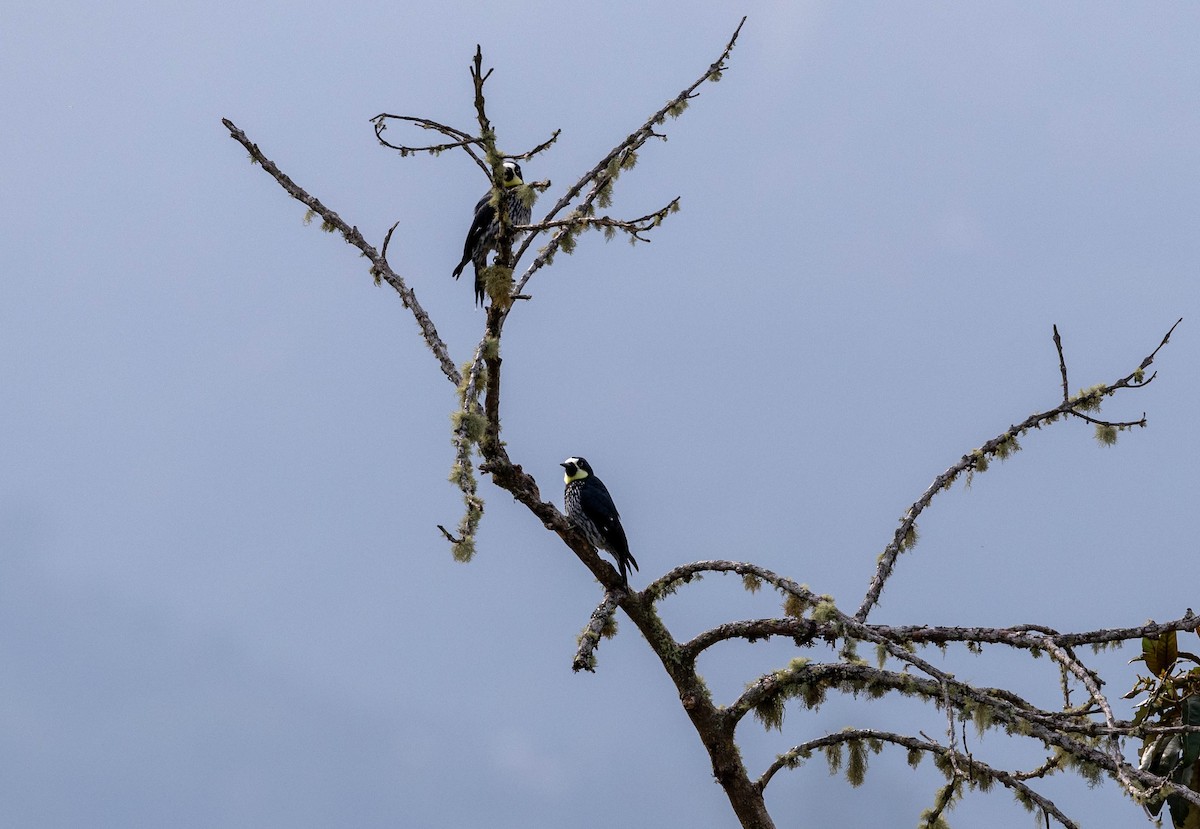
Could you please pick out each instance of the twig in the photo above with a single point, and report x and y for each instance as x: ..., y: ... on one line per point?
x: 1120, y: 767
x: 791, y: 758
x: 540, y: 148
x: 599, y: 175
x: 634, y: 227
x: 585, y: 656
x: 1003, y: 442
x: 380, y: 269
x: 1016, y: 637
x: 953, y: 754
x: 461, y: 139
x: 1007, y: 709
x: 1004, y: 706
x: 387, y: 240
x: 1062, y: 363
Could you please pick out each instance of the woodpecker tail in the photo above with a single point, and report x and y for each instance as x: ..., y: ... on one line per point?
x: 625, y: 562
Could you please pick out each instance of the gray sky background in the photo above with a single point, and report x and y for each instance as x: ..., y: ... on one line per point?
x: 223, y: 599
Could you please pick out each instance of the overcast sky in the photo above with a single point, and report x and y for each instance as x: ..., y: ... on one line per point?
x: 223, y: 597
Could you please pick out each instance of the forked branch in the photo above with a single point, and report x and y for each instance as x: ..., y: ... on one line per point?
x: 1087, y: 734
x: 1002, y: 446
x: 856, y: 736
x: 380, y: 268
x: 622, y: 156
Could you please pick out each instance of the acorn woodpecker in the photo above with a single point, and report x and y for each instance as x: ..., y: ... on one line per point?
x: 591, y: 509
x: 481, y: 238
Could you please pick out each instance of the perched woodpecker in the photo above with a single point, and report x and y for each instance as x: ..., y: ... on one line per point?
x: 481, y: 238
x: 591, y: 509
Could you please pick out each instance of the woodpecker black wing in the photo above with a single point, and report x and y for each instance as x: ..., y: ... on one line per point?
x: 485, y: 225
x: 479, y: 238
x: 484, y: 214
x: 597, y: 505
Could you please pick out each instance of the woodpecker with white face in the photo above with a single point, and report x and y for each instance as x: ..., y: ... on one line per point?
x: 481, y: 238
x: 591, y: 509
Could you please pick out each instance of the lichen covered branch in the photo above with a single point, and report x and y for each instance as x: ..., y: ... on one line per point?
x: 1002, y: 446
x: 380, y: 269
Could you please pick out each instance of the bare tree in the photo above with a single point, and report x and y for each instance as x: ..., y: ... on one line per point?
x: 1085, y: 737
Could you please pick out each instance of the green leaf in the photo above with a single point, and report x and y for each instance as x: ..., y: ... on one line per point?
x: 1180, y: 810
x: 1160, y: 652
x: 1191, y: 742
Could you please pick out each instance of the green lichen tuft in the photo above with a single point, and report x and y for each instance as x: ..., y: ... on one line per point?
x: 604, y: 195
x: 1006, y: 447
x: 463, y: 550
x: 833, y: 756
x: 928, y: 821
x: 794, y: 606
x: 1024, y: 799
x: 981, y: 716
x: 1089, y: 399
x: 881, y: 655
x: 498, y: 281
x: 770, y: 712
x: 1106, y: 435
x: 825, y: 611
x: 461, y: 475
x: 812, y: 695
x: 856, y: 769
x: 609, y: 630
x: 471, y: 425
x: 527, y: 195
x: 849, y: 653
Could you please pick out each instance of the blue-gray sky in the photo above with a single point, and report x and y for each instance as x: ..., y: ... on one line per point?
x: 223, y: 599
